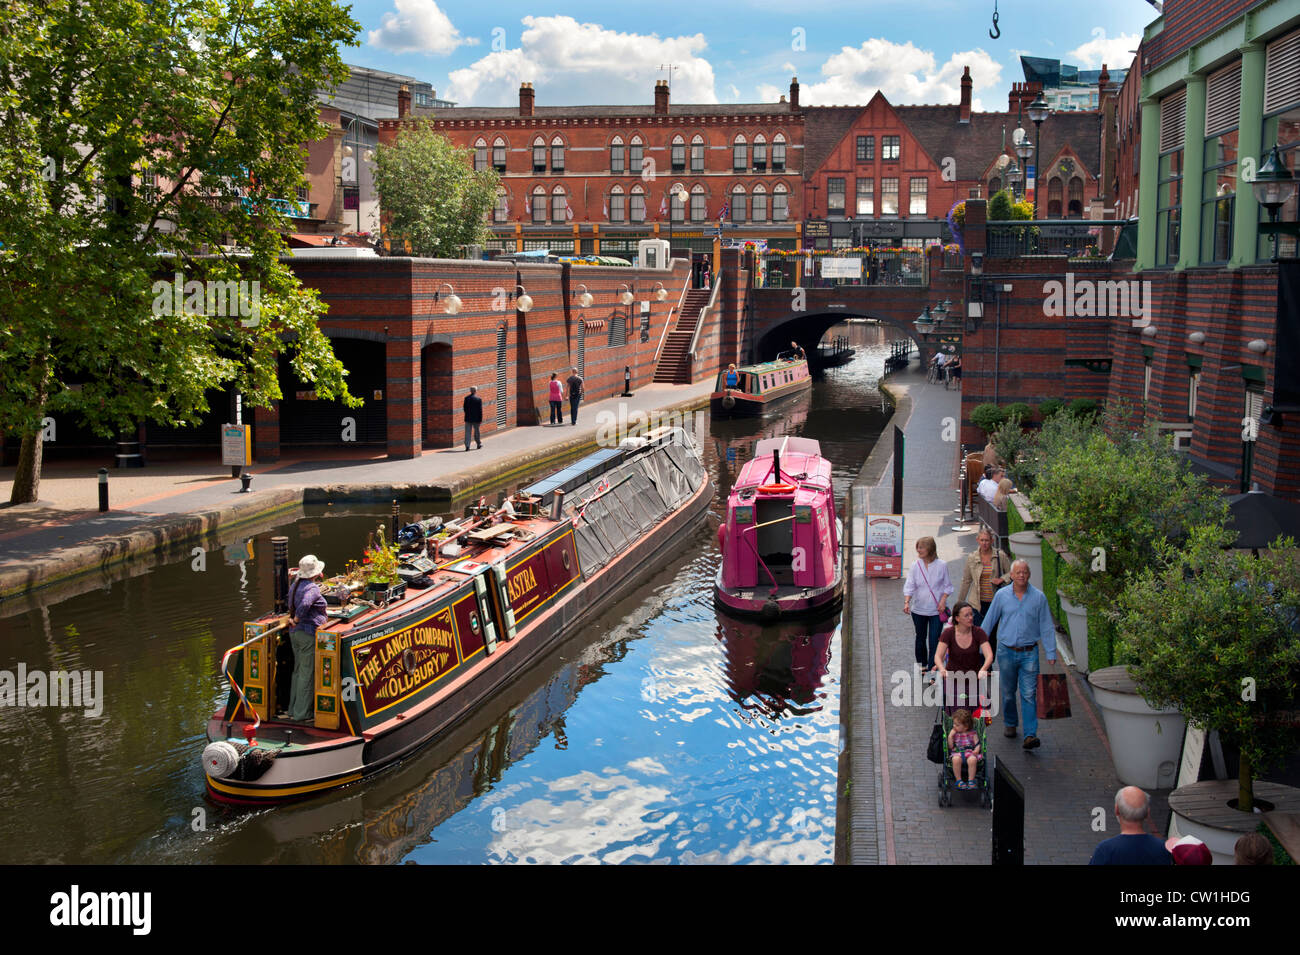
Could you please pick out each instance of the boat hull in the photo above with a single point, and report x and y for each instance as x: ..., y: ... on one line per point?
x: 755, y: 406
x: 788, y: 601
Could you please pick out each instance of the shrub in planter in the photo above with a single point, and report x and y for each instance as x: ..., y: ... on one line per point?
x: 1216, y: 633
x: 1057, y: 432
x: 1012, y: 443
x: 1050, y: 407
x: 988, y: 417
x: 1021, y: 410
x: 1082, y: 408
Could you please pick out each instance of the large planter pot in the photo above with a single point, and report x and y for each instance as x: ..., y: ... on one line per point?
x: 1144, y: 742
x: 1077, y: 622
x: 1202, y: 810
x: 1028, y: 546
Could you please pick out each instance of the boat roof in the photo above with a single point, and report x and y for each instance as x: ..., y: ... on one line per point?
x: 786, y: 443
x: 770, y: 366
x: 810, y: 471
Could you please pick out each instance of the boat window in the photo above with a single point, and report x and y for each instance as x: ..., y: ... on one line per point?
x: 803, y: 513
x: 744, y: 515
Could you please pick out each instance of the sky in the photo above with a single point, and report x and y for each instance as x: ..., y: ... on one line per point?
x: 740, y: 52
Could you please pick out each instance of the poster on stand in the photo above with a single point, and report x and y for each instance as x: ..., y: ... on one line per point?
x: 884, y: 545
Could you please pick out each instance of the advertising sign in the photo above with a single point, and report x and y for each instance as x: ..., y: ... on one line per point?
x: 884, y: 545
x: 236, y: 445
x: 841, y: 268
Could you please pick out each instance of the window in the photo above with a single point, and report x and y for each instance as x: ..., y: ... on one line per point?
x: 634, y: 155
x: 889, y: 197
x: 1146, y: 379
x: 889, y: 146
x: 1193, y: 382
x: 1219, y: 197
x: 866, y: 197
x: 866, y: 148
x: 780, y: 210
x: 617, y: 157
x: 1169, y: 181
x: 557, y: 155
x: 539, y: 206
x: 501, y: 211
x: 679, y: 155
x: 916, y: 205
x: 778, y: 154
x: 480, y: 156
x: 616, y: 206
x: 760, y: 154
x: 738, y: 204
x: 835, y: 196
x: 539, y: 156
x: 638, y: 204
x: 1054, y: 192
x: 676, y: 206
x: 697, y: 154
x: 739, y: 155
x: 758, y: 211
x: 995, y: 186
x: 499, y: 156
x: 1074, y: 209
x: 1282, y: 126
x: 698, y: 211
x: 1250, y: 430
x: 559, y: 207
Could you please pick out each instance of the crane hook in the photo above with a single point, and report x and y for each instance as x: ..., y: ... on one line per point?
x: 996, y: 31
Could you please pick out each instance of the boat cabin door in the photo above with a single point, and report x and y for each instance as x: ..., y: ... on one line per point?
x: 775, y: 537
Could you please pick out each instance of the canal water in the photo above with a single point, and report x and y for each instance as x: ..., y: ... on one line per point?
x: 663, y: 732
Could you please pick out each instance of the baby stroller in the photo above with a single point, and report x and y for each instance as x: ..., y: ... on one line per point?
x: 947, y: 781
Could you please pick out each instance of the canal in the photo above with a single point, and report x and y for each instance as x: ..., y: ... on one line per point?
x: 664, y: 732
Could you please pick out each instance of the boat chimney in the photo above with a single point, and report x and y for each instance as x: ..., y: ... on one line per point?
x: 557, y: 506
x: 397, y: 516
x: 280, y: 573
x: 776, y: 466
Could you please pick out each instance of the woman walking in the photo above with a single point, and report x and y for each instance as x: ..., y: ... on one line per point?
x: 925, y: 597
x: 986, y: 570
x: 556, y: 398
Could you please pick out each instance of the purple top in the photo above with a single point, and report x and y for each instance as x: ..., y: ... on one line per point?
x: 306, y: 605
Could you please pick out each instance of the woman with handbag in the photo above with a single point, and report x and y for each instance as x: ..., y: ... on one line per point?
x: 986, y: 570
x: 925, y: 597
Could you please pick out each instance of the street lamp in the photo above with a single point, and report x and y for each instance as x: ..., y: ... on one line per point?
x: 1025, y: 150
x: 1274, y: 186
x: 1013, y: 177
x: 1038, y: 111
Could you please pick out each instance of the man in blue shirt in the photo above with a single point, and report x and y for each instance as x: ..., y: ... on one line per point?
x: 1133, y: 846
x: 1025, y: 622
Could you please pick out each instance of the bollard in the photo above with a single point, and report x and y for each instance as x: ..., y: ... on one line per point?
x: 103, y: 489
x: 627, y: 381
x: 245, y: 479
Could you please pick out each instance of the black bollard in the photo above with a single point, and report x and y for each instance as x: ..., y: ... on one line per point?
x: 627, y: 381
x: 245, y: 479
x: 103, y: 489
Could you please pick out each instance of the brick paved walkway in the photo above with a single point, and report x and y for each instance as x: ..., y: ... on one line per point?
x: 892, y: 801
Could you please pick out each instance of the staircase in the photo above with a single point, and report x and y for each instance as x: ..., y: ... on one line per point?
x: 675, y: 360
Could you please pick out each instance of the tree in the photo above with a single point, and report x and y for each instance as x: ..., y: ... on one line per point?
x: 1216, y: 633
x: 141, y: 148
x: 431, y: 194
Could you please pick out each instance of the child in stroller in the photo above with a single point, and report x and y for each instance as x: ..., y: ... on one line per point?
x: 964, y: 746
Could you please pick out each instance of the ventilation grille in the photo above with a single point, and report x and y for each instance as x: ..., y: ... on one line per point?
x: 1171, y: 121
x: 1282, y: 74
x: 1222, y: 100
x: 501, y: 376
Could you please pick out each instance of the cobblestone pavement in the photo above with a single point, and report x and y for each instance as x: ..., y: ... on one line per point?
x: 893, y: 795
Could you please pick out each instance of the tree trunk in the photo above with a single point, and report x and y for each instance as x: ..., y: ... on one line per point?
x: 1245, y: 786
x: 27, y: 476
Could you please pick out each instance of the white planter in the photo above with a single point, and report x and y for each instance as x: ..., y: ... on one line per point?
x: 1077, y: 623
x: 1201, y: 810
x: 1028, y: 546
x: 1145, y: 743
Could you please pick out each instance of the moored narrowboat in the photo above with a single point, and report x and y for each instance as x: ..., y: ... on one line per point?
x: 759, y: 389
x: 781, y: 540
x: 481, y: 598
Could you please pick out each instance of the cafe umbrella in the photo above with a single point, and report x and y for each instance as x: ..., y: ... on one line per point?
x: 1258, y: 519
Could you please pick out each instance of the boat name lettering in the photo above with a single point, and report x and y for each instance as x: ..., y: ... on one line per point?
x: 520, y: 583
x: 438, y: 637
x: 400, y: 683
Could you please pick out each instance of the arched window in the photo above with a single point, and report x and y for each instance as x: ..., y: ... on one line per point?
x: 697, y: 154
x: 739, y: 155
x: 698, y: 211
x: 538, y: 206
x: 679, y: 154
x: 758, y: 204
x: 780, y: 210
x: 499, y: 154
x: 539, y: 155
x: 739, y: 202
x: 638, y: 204
x: 676, y: 206
x: 636, y: 151
x: 1054, y: 189
x: 557, y: 154
x: 560, y: 210
x: 778, y: 153
x: 480, y: 155
x: 1075, y: 209
x: 617, y: 211
x: 995, y: 186
x: 617, y: 156
x: 760, y: 153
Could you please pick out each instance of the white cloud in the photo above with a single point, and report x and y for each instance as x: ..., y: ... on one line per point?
x: 1113, y: 51
x: 789, y: 68
x: 572, y: 63
x: 734, y: 91
x: 418, y: 26
x: 903, y: 72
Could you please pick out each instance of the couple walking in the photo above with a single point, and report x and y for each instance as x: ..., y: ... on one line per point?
x: 557, y: 397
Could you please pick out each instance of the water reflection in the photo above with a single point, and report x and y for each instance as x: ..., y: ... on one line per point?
x: 777, y: 670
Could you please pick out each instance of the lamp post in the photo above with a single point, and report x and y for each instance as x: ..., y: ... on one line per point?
x: 1038, y: 111
x: 1025, y: 150
x: 1013, y: 177
x: 1274, y: 186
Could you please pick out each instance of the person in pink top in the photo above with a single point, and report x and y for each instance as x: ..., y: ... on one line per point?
x: 557, y: 400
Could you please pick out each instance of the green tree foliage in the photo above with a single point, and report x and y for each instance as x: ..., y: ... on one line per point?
x: 1216, y: 633
x: 1050, y: 407
x: 139, y: 142
x: 1082, y: 408
x: 1019, y: 409
x: 1058, y: 432
x: 1000, y: 207
x: 431, y: 195
x: 1012, y: 442
x: 988, y: 417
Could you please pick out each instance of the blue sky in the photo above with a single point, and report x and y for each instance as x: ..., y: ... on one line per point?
x: 745, y: 52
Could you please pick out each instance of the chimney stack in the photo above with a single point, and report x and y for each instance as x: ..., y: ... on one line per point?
x: 403, y: 101
x: 1022, y: 94
x: 965, y: 96
x: 794, y: 93
x: 525, y: 99
x: 661, y: 97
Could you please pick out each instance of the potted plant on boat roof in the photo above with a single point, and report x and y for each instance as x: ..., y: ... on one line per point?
x: 1216, y: 634
x: 383, y: 583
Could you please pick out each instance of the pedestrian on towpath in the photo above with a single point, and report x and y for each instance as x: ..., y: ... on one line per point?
x: 306, y: 613
x: 575, y: 395
x: 925, y: 597
x: 1133, y: 845
x: 1022, y: 621
x: 556, y: 397
x: 473, y: 416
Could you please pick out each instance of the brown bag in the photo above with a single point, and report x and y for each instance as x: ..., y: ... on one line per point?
x: 1053, y: 696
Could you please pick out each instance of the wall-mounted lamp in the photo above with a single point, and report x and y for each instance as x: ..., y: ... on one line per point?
x: 1196, y: 338
x: 626, y: 297
x: 977, y: 263
x: 1274, y: 185
x: 451, y: 305
x: 1258, y: 346
x: 1149, y: 332
x: 584, y: 300
x: 525, y: 301
x: 661, y: 293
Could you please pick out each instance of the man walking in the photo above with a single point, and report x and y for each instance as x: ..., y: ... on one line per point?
x: 1025, y: 621
x: 473, y: 416
x: 575, y: 395
x: 1133, y: 845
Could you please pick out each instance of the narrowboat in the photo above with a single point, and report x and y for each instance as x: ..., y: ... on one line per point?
x: 479, y: 599
x: 761, y: 388
x: 781, y: 540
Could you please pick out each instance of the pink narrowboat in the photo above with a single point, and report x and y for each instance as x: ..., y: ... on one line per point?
x: 781, y: 540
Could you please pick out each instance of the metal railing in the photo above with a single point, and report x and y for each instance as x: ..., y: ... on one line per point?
x: 843, y: 267
x: 1081, y: 239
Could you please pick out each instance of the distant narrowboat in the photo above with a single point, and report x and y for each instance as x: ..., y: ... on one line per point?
x: 760, y: 388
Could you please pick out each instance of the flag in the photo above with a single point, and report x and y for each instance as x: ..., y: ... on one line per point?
x: 568, y: 210
x: 726, y: 209
x: 663, y: 205
x: 528, y: 207
x: 607, y: 210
